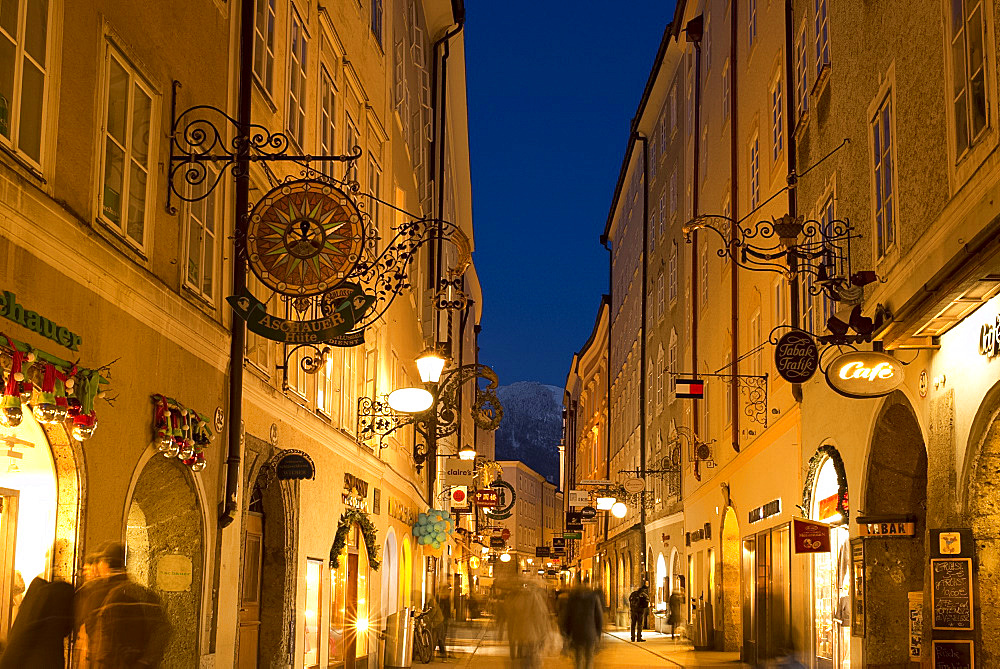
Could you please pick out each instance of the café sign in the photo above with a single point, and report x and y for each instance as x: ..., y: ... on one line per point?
x: 989, y: 339
x: 863, y: 374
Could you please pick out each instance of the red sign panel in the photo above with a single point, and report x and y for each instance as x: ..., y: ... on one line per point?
x: 810, y: 536
x: 505, y: 534
x: 487, y: 497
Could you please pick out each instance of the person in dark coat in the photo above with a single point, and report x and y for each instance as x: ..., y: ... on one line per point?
x: 582, y: 623
x: 638, y: 604
x: 44, y: 619
x: 130, y: 626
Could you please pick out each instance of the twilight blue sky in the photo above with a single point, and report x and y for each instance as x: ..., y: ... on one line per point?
x: 553, y: 86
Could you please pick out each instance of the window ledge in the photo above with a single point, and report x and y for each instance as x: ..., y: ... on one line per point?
x: 801, y: 125
x: 23, y: 164
x: 200, y: 302
x: 822, y: 77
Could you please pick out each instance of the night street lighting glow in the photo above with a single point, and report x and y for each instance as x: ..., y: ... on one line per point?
x: 430, y: 364
x: 605, y: 503
x: 467, y: 453
x: 618, y: 510
x: 410, y: 400
x: 505, y: 557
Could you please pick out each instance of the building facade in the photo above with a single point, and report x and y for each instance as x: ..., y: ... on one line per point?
x: 101, y: 268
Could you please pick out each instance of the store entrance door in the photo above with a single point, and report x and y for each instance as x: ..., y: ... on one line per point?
x: 350, y: 634
x: 12, y: 587
x: 250, y: 592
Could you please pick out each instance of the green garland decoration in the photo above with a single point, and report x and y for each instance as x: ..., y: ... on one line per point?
x: 368, y: 531
x: 821, y: 454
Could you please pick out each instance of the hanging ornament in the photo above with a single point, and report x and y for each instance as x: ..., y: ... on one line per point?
x: 62, y: 403
x: 10, y: 404
x: 43, y: 406
x: 199, y: 463
x: 84, y: 426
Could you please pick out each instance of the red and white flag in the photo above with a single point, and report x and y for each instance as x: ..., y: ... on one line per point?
x: 692, y: 389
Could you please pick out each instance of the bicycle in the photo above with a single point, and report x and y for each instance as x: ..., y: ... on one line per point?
x: 423, y: 640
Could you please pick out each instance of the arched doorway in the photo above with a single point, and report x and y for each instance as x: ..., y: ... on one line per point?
x: 390, y: 580
x: 39, y: 509
x: 982, y: 491
x: 827, y: 501
x: 662, y: 584
x: 262, y: 616
x: 349, y: 607
x: 164, y: 539
x: 732, y: 622
x: 896, y: 486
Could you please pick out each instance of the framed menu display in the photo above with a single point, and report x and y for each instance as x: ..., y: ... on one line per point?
x: 951, y: 594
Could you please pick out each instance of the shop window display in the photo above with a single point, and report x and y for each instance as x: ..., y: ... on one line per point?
x: 349, y: 607
x: 832, y: 574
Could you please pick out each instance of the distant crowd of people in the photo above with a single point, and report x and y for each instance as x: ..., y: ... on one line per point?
x: 119, y: 623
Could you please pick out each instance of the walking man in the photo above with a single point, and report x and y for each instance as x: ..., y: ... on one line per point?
x: 638, y: 604
x: 582, y: 621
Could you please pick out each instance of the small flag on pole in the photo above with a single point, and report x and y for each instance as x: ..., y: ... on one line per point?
x: 692, y: 389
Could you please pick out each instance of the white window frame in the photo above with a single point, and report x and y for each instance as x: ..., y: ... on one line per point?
x: 751, y: 23
x: 729, y: 390
x: 822, y: 53
x: 660, y: 305
x: 327, y: 134
x: 298, y: 76
x: 754, y: 170
x: 777, y: 120
x: 672, y: 367
x: 263, y: 69
x: 326, y: 389
x: 673, y: 194
x: 197, y: 215
x: 135, y: 79
x: 726, y: 88
x: 885, y: 235
x: 659, y: 377
x: 377, y: 22
x: 15, y: 106
x: 756, y: 359
x: 958, y: 89
x: 801, y: 78
x: 703, y: 275
x: 663, y: 214
x: 672, y: 274
x: 779, y: 311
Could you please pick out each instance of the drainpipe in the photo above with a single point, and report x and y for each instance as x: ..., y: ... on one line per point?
x: 643, y: 371
x: 792, y: 159
x: 734, y: 284
x: 237, y: 340
x: 607, y: 453
x: 695, y: 31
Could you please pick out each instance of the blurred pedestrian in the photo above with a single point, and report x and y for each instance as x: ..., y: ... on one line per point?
x: 528, y: 625
x: 582, y: 623
x: 674, y: 620
x: 44, y: 619
x: 638, y: 604
x: 130, y: 625
x: 88, y: 599
x: 444, y: 604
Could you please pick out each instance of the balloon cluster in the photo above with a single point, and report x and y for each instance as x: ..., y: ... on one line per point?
x: 433, y: 528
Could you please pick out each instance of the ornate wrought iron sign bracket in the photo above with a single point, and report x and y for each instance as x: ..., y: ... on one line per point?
x: 752, y: 387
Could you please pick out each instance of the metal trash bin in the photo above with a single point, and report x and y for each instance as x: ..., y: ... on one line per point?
x: 399, y: 640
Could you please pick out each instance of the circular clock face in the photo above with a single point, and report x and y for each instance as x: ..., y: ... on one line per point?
x: 304, y: 238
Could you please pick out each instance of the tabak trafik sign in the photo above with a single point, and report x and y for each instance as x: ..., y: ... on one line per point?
x: 796, y: 357
x: 864, y: 374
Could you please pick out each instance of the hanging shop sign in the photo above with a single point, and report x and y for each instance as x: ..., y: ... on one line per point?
x: 506, y: 496
x: 810, y: 536
x: 343, y: 307
x: 599, y: 482
x: 796, y: 356
x: 952, y: 542
x: 772, y: 508
x: 497, y: 542
x: 486, y: 498
x: 889, y: 526
x: 460, y: 498
x: 951, y: 594
x: 634, y: 485
x: 692, y: 389
x: 559, y: 545
x: 11, y: 310
x: 864, y: 374
x: 543, y: 551
x: 458, y: 471
x: 574, y: 521
x: 578, y: 499
x: 588, y: 512
x: 954, y: 654
x: 294, y: 465
x: 355, y: 493
x: 572, y: 535
x: 989, y: 339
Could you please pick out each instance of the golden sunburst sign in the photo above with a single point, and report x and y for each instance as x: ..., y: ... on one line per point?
x: 304, y: 238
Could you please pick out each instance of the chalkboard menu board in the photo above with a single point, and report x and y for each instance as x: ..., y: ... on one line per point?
x: 951, y: 594
x: 955, y: 654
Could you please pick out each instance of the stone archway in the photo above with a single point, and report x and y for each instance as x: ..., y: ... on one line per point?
x: 982, y: 501
x: 732, y: 620
x: 164, y: 536
x: 896, y: 485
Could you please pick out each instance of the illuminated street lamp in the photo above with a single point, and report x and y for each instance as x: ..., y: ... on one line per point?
x: 430, y: 364
x: 605, y: 503
x: 618, y: 509
x: 467, y: 452
x: 410, y: 400
x: 505, y: 557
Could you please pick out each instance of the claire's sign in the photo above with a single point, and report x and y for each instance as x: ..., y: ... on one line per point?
x: 796, y: 357
x: 864, y: 374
